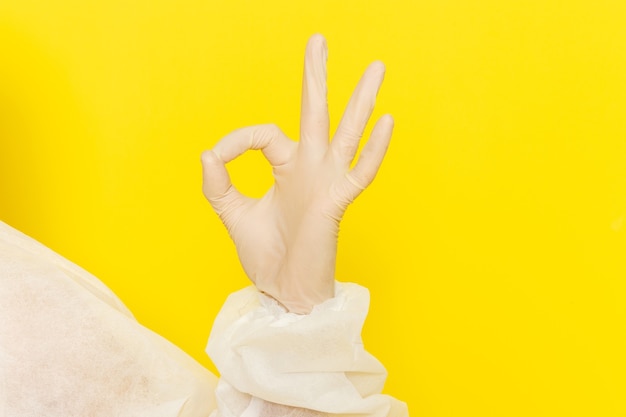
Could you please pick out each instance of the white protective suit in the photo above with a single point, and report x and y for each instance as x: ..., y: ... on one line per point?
x: 70, y: 348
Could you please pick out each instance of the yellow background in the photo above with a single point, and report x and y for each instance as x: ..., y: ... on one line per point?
x: 493, y: 239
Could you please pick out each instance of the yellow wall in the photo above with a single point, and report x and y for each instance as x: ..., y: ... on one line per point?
x: 493, y: 239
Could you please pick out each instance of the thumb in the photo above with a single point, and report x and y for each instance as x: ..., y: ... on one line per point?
x: 218, y: 189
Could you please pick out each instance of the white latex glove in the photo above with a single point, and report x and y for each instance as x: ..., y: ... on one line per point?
x: 287, y: 240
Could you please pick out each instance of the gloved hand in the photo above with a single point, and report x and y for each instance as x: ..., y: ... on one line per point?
x: 287, y: 240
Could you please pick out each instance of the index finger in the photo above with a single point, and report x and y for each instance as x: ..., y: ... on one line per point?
x: 276, y: 147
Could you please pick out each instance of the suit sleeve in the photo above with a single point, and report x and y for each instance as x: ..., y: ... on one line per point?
x: 273, y: 362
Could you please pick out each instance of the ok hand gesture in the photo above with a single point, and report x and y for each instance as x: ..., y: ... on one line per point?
x: 287, y: 240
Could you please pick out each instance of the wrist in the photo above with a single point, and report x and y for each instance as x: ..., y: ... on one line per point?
x: 297, y: 299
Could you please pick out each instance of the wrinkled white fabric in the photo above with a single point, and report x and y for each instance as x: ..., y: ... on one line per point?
x: 69, y: 347
x: 313, y: 362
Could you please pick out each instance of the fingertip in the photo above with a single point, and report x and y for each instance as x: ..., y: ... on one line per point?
x: 382, y: 132
x: 215, y: 178
x: 375, y: 74
x: 384, y: 125
x: 317, y: 39
x: 209, y: 157
x: 204, y: 156
x: 317, y: 47
x: 389, y: 120
x: 378, y: 66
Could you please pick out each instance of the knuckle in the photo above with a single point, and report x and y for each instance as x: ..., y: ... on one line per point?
x: 346, y: 149
x: 350, y: 133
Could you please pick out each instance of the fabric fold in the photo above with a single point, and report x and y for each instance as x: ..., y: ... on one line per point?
x: 315, y: 361
x: 70, y: 348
